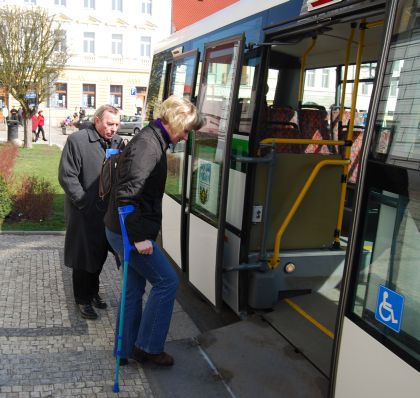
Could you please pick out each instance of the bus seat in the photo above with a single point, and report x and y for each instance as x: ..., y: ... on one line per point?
x: 282, y: 122
x: 355, y: 157
x: 314, y: 223
x: 313, y: 125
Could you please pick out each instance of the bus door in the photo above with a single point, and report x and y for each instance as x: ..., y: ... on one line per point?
x: 182, y: 81
x: 218, y: 92
x: 379, y: 345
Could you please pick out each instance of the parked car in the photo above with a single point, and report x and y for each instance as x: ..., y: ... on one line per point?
x: 130, y: 124
x: 84, y: 122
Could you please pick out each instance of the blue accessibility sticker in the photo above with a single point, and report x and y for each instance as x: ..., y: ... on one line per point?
x: 389, y: 308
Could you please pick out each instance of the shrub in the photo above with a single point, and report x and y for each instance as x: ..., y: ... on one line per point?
x: 33, y: 199
x: 5, y: 200
x: 8, y: 155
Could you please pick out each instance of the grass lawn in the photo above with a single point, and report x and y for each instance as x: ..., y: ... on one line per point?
x: 41, y: 161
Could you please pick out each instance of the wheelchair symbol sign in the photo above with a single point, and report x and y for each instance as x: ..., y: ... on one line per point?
x: 389, y: 308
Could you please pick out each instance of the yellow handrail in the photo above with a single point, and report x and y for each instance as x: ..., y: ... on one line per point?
x: 302, y: 141
x: 347, y: 149
x: 346, y: 70
x: 274, y: 260
x: 302, y: 68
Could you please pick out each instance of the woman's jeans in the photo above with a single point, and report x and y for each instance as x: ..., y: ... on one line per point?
x: 145, y: 329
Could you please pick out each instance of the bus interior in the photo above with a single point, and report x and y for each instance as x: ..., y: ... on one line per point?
x: 318, y: 82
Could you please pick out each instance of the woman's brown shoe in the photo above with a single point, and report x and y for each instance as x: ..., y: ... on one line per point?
x: 162, y: 359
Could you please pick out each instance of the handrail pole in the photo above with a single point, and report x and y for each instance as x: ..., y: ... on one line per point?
x: 302, y: 141
x: 302, y: 68
x: 274, y: 260
x: 346, y: 70
x: 267, y: 207
x: 347, y: 149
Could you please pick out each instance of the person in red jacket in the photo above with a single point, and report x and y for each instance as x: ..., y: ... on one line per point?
x: 41, y: 122
x: 34, y: 127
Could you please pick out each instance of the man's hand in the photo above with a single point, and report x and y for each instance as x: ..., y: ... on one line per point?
x: 144, y: 247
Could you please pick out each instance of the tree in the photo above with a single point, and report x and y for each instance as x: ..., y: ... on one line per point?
x: 31, y: 57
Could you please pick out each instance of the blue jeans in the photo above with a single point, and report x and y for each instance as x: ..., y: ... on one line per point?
x: 146, y: 329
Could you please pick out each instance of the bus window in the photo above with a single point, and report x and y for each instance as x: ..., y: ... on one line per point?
x: 320, y: 86
x: 390, y: 223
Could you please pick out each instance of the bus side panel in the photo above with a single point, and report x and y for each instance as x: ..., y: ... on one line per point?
x: 203, y: 244
x: 171, y: 222
x: 361, y: 370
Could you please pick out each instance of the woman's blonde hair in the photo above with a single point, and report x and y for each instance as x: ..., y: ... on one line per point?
x: 181, y: 114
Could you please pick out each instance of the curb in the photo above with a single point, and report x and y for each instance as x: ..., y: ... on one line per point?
x: 32, y: 232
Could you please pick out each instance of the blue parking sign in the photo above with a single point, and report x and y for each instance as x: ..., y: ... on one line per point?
x: 389, y: 308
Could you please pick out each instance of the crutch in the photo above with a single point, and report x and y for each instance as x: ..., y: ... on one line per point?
x: 123, y: 212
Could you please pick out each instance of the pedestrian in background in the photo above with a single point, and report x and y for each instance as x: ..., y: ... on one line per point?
x: 41, y: 123
x: 86, y: 247
x: 5, y: 112
x: 141, y: 177
x: 20, y: 115
x: 34, y: 120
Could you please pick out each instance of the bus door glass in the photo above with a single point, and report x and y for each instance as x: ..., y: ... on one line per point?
x: 181, y: 83
x: 381, y: 329
x: 210, y: 165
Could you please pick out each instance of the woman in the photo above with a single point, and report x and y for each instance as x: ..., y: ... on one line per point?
x: 141, y: 182
x: 41, y: 123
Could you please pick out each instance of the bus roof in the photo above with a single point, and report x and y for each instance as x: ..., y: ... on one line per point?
x: 226, y: 16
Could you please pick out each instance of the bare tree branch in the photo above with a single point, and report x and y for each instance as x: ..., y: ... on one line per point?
x: 30, y: 56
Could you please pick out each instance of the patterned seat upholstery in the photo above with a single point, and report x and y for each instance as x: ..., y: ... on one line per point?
x: 281, y: 122
x: 314, y: 125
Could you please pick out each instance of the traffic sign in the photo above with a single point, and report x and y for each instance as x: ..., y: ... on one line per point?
x: 133, y: 91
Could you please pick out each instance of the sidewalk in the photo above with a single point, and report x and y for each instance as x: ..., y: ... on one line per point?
x: 48, y: 350
x: 53, y: 134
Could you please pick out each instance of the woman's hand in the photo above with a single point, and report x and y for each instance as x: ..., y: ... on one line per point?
x: 144, y: 247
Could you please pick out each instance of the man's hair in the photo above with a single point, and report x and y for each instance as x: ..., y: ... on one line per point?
x: 105, y: 108
x: 181, y: 114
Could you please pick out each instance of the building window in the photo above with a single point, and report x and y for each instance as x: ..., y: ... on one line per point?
x: 60, y: 3
x: 145, y: 50
x: 59, y: 97
x: 146, y: 7
x: 89, y: 96
x: 117, y: 41
x: 61, y: 40
x: 393, y: 88
x: 90, y: 4
x: 140, y: 96
x: 89, y: 42
x: 115, y: 96
x: 117, y: 5
x: 325, y: 78
x: 310, y: 78
x: 30, y: 1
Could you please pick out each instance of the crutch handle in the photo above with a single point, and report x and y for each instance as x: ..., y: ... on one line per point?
x: 123, y: 212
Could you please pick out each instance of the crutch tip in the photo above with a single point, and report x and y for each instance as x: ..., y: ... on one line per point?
x: 116, y: 388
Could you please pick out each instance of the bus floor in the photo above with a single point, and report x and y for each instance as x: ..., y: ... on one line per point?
x: 254, y: 357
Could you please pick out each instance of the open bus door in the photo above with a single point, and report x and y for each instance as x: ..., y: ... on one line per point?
x: 182, y: 82
x: 210, y: 166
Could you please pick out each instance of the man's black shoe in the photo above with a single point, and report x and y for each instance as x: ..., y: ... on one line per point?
x: 98, y: 302
x: 87, y: 311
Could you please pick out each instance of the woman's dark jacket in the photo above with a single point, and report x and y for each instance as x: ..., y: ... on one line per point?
x: 86, y: 246
x: 141, y: 177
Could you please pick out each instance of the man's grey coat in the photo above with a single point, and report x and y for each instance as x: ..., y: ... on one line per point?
x: 86, y: 246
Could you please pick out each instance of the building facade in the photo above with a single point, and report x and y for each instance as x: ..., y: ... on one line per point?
x: 111, y: 47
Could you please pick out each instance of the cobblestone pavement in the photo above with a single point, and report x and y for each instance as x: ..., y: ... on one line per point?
x: 46, y: 348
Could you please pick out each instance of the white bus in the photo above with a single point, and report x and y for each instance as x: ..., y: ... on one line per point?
x: 302, y: 201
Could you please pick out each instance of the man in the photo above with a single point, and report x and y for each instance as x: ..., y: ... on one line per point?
x: 86, y: 246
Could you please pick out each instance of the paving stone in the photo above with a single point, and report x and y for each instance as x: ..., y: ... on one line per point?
x: 47, y: 349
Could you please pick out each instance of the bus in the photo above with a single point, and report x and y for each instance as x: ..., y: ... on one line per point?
x: 299, y: 199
